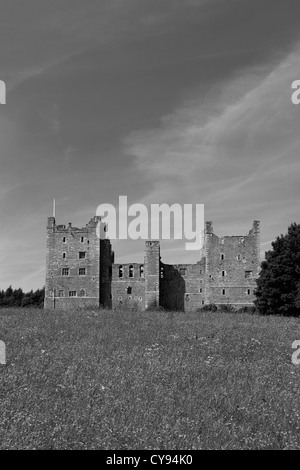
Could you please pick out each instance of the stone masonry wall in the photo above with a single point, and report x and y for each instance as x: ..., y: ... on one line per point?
x: 106, y: 262
x: 226, y: 272
x: 81, y: 286
x: 182, y: 286
x: 128, y: 286
x: 232, y: 264
x: 152, y: 273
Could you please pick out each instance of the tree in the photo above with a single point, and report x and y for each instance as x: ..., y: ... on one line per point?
x: 17, y: 298
x: 278, y: 285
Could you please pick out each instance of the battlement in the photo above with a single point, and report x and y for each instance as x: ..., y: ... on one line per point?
x: 60, y: 228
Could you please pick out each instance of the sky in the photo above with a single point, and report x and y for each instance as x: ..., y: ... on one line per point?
x: 163, y: 101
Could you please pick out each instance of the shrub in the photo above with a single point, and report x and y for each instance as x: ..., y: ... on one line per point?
x: 228, y: 308
x: 208, y: 308
x: 251, y: 309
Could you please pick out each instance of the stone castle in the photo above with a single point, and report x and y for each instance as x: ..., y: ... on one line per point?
x: 81, y: 272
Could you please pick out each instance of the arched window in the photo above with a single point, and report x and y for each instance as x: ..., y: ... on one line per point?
x: 141, y: 271
x: 131, y: 271
x: 82, y: 293
x: 121, y: 271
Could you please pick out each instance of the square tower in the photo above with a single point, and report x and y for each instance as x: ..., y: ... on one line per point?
x: 152, y: 271
x: 232, y: 266
x: 72, y: 265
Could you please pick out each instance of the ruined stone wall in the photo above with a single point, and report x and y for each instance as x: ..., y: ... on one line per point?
x: 128, y: 286
x: 106, y: 262
x: 226, y: 272
x: 232, y: 264
x: 78, y: 251
x: 152, y: 273
x: 172, y: 287
x: 182, y: 286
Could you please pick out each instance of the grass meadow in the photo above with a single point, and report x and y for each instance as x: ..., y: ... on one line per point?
x: 152, y: 380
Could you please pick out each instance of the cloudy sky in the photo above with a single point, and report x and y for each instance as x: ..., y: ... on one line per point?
x: 183, y: 101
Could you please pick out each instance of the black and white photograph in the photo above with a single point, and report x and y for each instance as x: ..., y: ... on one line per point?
x: 150, y: 227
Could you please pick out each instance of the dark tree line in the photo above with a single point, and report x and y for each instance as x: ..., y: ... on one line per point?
x: 17, y: 298
x: 278, y: 285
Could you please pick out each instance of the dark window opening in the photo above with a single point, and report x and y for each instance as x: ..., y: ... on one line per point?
x: 81, y: 271
x: 129, y: 290
x: 121, y: 271
x: 72, y: 293
x: 223, y: 292
x: 81, y: 254
x: 65, y: 272
x: 131, y: 271
x: 141, y: 271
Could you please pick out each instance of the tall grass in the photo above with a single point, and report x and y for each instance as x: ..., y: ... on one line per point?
x: 153, y: 380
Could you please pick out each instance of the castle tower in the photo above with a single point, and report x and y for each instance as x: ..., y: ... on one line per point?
x: 232, y: 266
x: 151, y: 269
x: 72, y: 265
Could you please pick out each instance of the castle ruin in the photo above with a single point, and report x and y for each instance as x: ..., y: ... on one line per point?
x: 81, y: 272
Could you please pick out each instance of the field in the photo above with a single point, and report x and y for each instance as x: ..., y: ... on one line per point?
x: 153, y: 380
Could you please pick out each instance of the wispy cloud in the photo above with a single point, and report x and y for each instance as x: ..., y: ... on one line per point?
x: 234, y: 146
